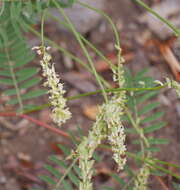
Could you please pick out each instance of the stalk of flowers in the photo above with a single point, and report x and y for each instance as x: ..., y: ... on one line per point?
x: 116, y: 135
x: 60, y: 112
x: 142, y: 178
x: 86, y: 149
x: 113, y: 113
x: 108, y: 125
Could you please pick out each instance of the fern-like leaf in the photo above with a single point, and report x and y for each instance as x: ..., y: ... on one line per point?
x: 16, y: 75
x: 145, y: 112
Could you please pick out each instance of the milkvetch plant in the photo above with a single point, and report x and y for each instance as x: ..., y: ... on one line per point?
x: 125, y: 110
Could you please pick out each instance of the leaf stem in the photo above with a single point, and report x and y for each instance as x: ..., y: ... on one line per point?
x: 94, y: 93
x: 67, y: 53
x: 165, y: 21
x: 14, y: 81
x: 42, y: 27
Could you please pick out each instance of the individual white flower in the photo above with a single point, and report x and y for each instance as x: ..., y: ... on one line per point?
x: 142, y: 178
x: 60, y: 112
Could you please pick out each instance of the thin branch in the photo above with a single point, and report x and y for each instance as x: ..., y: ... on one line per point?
x: 35, y: 121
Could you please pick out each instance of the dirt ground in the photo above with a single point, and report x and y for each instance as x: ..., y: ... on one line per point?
x: 25, y: 148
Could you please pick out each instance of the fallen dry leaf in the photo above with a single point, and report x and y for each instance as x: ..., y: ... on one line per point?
x: 91, y: 111
x: 171, y: 60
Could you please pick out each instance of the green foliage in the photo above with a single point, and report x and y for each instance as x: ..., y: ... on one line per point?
x: 69, y: 182
x: 144, y: 109
x: 16, y: 74
x: 137, y: 101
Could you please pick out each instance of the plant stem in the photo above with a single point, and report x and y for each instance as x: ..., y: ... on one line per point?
x: 94, y: 93
x: 98, y: 52
x: 42, y: 27
x: 35, y: 121
x: 139, y: 131
x: 14, y: 81
x: 67, y: 53
x: 117, y: 39
x: 107, y: 17
x: 165, y: 21
x: 83, y: 48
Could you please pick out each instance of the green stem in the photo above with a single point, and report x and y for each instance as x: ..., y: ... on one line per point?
x: 143, y: 139
x: 94, y: 93
x: 166, y: 163
x: 42, y: 27
x: 83, y: 48
x: 108, y: 19
x: 52, y: 43
x: 16, y: 85
x: 85, y: 41
x: 169, y: 24
x: 137, y: 128
x: 14, y: 81
x: 117, y: 39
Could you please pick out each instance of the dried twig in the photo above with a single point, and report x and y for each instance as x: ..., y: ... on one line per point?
x: 171, y: 60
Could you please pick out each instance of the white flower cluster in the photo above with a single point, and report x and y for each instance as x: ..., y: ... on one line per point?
x: 60, y: 112
x: 108, y: 125
x: 174, y: 84
x: 86, y: 149
x: 113, y: 113
x: 116, y: 135
x: 142, y: 178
